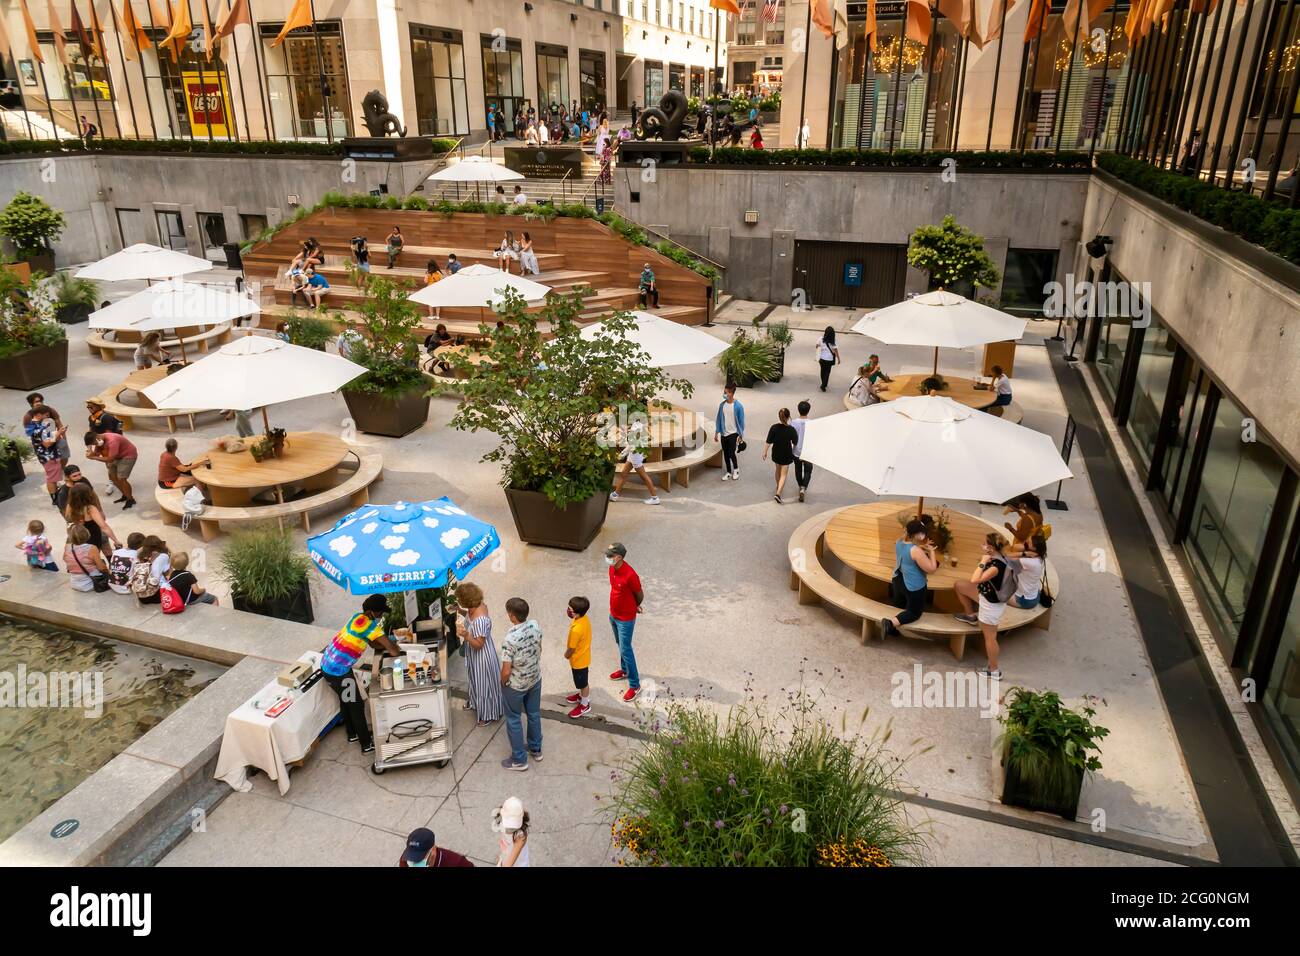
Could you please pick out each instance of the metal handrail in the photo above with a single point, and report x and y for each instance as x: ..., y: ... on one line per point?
x: 722, y: 270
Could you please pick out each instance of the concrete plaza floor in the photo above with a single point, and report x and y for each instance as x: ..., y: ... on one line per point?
x: 719, y: 623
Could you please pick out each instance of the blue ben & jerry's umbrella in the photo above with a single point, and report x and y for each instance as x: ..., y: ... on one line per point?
x: 402, y: 547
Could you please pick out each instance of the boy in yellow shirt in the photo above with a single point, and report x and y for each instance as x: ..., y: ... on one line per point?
x: 577, y: 652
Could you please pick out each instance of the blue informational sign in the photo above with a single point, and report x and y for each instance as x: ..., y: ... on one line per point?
x: 853, y: 273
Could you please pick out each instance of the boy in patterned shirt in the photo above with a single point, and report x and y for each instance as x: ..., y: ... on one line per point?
x: 521, y: 680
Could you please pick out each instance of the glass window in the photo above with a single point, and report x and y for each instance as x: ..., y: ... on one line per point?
x: 552, y: 79
x: 677, y: 77
x: 1282, y: 76
x: 503, y: 80
x: 301, y: 105
x: 654, y: 82
x: 591, y: 77
x: 1112, y: 346
x: 1027, y: 273
x: 1282, y: 699
x: 1154, y: 370
x: 1191, y: 389
x: 188, y: 96
x: 1239, y: 487
x: 438, y: 68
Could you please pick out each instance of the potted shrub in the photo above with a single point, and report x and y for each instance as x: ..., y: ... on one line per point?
x: 391, y: 398
x: 267, y: 574
x: 1046, y: 750
x: 33, y: 346
x: 15, y: 450
x: 747, y: 361
x: 31, y: 224
x: 74, y: 299
x: 779, y: 336
x: 308, y: 331
x: 550, y: 405
x: 953, y: 258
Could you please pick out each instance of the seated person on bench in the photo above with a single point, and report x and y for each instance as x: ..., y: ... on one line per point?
x: 647, y: 290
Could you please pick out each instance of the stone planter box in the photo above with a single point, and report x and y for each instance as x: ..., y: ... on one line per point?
x: 35, y: 368
x: 538, y: 521
x: 296, y: 607
x: 379, y: 415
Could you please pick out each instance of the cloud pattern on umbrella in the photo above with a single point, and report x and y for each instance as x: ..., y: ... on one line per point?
x: 382, y: 548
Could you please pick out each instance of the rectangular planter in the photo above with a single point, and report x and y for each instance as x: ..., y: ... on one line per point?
x: 1018, y: 793
x: 6, y: 487
x: 538, y: 521
x: 35, y: 368
x: 378, y: 415
x: 296, y: 607
x: 13, y: 467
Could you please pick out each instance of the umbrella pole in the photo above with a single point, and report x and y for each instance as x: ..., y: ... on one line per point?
x: 266, y: 421
x: 920, y: 507
x: 936, y: 360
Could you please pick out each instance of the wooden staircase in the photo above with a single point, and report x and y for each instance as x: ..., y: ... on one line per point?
x: 575, y: 255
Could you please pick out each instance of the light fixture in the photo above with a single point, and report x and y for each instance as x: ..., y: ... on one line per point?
x: 573, y: 18
x: 528, y: 8
x: 606, y: 22
x: 1096, y: 246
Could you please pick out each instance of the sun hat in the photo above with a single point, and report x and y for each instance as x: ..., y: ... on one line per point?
x: 510, y: 815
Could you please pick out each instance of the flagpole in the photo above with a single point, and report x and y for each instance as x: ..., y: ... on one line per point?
x: 717, y: 86
x: 961, y: 90
x: 929, y: 74
x: 144, y: 77
x: 898, y: 77
x: 126, y: 77
x: 1069, y: 73
x: 255, y: 40
x: 1038, y: 51
x: 90, y: 78
x: 153, y: 27
x: 49, y: 103
x: 22, y: 94
x: 1105, y: 68
x: 320, y: 65
x: 803, y: 93
x: 997, y: 75
x: 239, y: 71
x: 98, y: 29
x: 862, y: 94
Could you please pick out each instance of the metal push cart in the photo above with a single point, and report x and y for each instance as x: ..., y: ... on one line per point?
x: 412, y: 725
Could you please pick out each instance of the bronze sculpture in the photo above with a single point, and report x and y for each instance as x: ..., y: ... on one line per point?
x: 380, y: 122
x: 666, y: 120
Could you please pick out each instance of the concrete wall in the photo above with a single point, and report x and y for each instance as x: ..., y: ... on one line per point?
x: 90, y: 189
x: 1239, y: 322
x: 704, y: 209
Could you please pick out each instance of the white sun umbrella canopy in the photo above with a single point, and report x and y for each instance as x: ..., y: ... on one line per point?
x: 665, y: 341
x: 928, y: 446
x: 143, y: 261
x: 174, y: 304
x: 940, y: 320
x: 253, y: 372
x: 476, y: 169
x: 478, y: 286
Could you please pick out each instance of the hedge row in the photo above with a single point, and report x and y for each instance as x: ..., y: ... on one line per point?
x: 219, y: 147
x: 966, y: 159
x: 1272, y: 225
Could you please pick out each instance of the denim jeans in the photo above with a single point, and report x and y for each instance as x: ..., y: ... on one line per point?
x: 626, y: 659
x: 518, y: 704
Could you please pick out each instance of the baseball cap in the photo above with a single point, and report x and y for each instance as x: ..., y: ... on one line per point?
x: 511, y: 813
x: 616, y: 548
x: 418, y: 845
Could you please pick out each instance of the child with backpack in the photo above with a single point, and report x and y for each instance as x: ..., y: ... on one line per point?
x: 37, y: 548
x: 151, y: 564
x: 992, y: 584
x: 122, y: 562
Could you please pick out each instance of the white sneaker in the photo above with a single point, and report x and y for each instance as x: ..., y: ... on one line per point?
x: 735, y: 475
x: 726, y: 476
x: 111, y: 490
x: 613, y: 496
x: 652, y: 501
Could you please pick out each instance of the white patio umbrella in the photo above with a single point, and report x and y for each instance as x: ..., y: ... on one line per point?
x: 478, y: 286
x: 665, y: 341
x: 174, y: 304
x: 940, y: 319
x: 143, y: 261
x: 929, y: 446
x: 476, y: 169
x: 251, y: 372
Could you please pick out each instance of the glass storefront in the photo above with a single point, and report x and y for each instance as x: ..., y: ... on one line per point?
x: 302, y: 106
x: 1026, y: 275
x: 438, y: 68
x: 904, y: 94
x: 503, y: 78
x: 552, y: 78
x: 1112, y: 346
x: 654, y: 83
x: 1074, y: 85
x: 677, y: 77
x: 1150, y: 387
x: 591, y: 78
x: 1282, y: 697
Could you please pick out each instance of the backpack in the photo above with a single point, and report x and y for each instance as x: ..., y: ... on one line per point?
x: 120, y: 567
x: 170, y: 599
x: 143, y: 583
x: 192, y: 505
x: 1010, y: 580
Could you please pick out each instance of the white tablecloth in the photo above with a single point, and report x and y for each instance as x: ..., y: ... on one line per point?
x: 251, y: 738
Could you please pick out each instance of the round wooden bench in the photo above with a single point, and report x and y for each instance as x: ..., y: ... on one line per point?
x: 129, y: 414
x: 109, y: 349
x: 354, y: 491
x: 704, y: 451
x: 816, y: 585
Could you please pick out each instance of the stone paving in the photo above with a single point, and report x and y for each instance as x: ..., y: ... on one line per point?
x: 719, y: 622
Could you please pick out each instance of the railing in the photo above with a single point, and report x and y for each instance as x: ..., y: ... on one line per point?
x: 722, y: 270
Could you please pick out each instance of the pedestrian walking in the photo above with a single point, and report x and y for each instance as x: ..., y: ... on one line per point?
x: 828, y: 355
x: 781, y: 439
x: 802, y: 469
x: 625, y: 598
x: 729, y: 429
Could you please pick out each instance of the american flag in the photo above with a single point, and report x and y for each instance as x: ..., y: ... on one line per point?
x: 770, y: 10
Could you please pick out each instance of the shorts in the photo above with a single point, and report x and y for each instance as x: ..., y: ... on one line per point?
x: 120, y: 468
x: 363, y: 266
x: 579, y: 677
x: 991, y: 611
x: 636, y: 459
x: 1026, y: 603
x: 53, y: 471
x: 1002, y: 400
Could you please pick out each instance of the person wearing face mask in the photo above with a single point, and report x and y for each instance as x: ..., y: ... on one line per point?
x: 729, y: 429
x: 625, y: 597
x: 423, y: 850
x: 914, y: 559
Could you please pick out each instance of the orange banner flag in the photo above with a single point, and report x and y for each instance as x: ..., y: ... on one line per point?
x: 726, y: 6
x: 207, y: 31
x: 300, y: 16
x: 918, y: 21
x: 182, y: 25
x: 132, y: 33
x: 56, y: 27
x: 33, y: 47
x: 870, y: 29
x: 1037, y: 15
x: 97, y: 30
x: 234, y: 15
x: 162, y: 16
x: 87, y: 43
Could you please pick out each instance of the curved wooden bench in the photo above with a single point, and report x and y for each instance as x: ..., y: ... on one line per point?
x: 127, y: 414
x: 706, y: 452
x: 109, y: 349
x: 355, y: 491
x: 816, y: 585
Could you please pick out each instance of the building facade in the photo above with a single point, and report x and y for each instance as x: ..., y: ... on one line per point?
x: 440, y: 66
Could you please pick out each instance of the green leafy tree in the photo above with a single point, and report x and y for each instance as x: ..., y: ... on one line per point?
x: 952, y: 255
x: 31, y: 224
x: 555, y: 404
x: 26, y: 315
x: 387, y: 342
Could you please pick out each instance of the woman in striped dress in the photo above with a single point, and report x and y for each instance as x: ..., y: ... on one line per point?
x: 481, y: 662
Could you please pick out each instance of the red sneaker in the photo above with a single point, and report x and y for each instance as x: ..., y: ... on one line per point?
x: 573, y: 698
x: 630, y: 694
x: 582, y: 710
x: 618, y: 675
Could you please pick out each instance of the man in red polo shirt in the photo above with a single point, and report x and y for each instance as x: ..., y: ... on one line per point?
x: 421, y: 850
x: 624, y: 603
x: 118, y: 455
